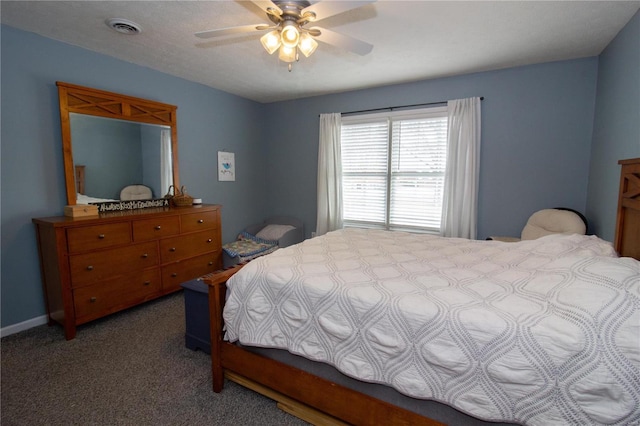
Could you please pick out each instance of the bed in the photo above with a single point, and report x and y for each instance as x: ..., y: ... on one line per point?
x: 398, y: 328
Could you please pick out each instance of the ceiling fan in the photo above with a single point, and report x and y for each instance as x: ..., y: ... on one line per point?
x: 290, y: 33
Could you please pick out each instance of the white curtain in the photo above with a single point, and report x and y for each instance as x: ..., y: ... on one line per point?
x: 166, y: 165
x: 329, y: 175
x: 460, y: 204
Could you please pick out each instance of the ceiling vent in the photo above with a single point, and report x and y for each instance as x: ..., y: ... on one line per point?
x: 123, y: 26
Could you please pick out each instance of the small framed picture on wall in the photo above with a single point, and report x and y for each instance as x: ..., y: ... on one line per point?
x: 226, y: 166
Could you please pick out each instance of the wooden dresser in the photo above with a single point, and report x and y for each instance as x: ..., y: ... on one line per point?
x: 95, y: 266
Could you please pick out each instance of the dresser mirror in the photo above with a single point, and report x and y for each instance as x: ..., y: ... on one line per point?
x: 116, y: 147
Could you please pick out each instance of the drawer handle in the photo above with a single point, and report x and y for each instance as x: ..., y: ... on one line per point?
x: 90, y: 268
x: 144, y: 256
x: 174, y: 275
x: 172, y: 249
x: 92, y: 300
x: 210, y: 263
x: 147, y: 282
x: 209, y: 240
x: 200, y: 220
x: 157, y: 228
x: 101, y: 236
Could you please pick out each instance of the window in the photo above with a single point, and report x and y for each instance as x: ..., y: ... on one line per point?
x: 393, y: 168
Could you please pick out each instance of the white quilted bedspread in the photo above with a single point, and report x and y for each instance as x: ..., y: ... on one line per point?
x: 542, y: 332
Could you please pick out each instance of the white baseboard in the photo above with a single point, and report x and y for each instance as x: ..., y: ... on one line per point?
x: 24, y: 325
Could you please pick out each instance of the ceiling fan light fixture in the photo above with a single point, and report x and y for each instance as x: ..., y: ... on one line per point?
x: 307, y: 45
x: 289, y: 34
x: 271, y: 41
x: 287, y: 54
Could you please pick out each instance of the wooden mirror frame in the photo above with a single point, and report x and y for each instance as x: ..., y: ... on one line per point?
x: 88, y: 101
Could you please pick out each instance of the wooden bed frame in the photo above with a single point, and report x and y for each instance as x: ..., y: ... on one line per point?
x: 627, y: 242
x: 322, y: 402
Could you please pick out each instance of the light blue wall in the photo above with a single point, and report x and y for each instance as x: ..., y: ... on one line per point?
x: 32, y: 183
x: 616, y: 128
x: 537, y: 131
x: 536, y: 139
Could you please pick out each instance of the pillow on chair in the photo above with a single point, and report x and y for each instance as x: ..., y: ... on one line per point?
x: 560, y: 220
x: 136, y: 192
x: 553, y: 221
x: 274, y: 232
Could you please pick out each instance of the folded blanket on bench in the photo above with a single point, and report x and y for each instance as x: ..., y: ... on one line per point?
x: 248, y: 247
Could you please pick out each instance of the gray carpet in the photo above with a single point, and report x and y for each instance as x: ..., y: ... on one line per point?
x: 130, y: 368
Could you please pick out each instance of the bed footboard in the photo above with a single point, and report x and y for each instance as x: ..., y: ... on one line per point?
x: 217, y: 291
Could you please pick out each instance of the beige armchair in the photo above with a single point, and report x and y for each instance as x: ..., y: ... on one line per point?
x: 550, y: 221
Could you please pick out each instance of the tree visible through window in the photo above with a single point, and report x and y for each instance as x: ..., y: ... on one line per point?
x: 393, y: 168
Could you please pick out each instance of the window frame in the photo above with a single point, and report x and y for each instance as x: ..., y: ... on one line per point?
x: 390, y: 117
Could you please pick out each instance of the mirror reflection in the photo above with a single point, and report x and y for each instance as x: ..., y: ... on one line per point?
x: 120, y: 160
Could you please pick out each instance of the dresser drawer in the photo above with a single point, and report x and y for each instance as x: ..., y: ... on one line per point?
x: 101, y: 265
x: 176, y: 273
x: 109, y: 296
x: 184, y: 246
x: 98, y: 236
x: 200, y: 221
x: 151, y: 229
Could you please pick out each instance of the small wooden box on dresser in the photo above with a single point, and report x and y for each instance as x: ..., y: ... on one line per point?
x: 95, y: 266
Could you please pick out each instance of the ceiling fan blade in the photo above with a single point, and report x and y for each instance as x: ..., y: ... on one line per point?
x: 343, y: 41
x: 231, y: 30
x: 325, y: 9
x: 268, y: 6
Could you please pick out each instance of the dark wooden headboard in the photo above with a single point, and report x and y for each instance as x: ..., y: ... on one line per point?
x: 627, y: 241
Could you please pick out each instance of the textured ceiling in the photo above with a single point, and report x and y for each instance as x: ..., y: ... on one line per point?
x: 413, y: 40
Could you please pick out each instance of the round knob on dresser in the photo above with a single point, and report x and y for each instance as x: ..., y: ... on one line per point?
x: 101, y: 236
x: 147, y: 283
x: 172, y: 249
x: 145, y: 255
x: 209, y: 240
x: 92, y: 300
x: 201, y: 221
x: 90, y: 268
x: 174, y: 275
x: 157, y: 228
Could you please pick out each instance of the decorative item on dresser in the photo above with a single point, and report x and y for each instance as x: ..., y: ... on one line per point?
x: 95, y: 266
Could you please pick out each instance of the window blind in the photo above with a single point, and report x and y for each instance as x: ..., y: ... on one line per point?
x: 393, y: 169
x: 365, y: 162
